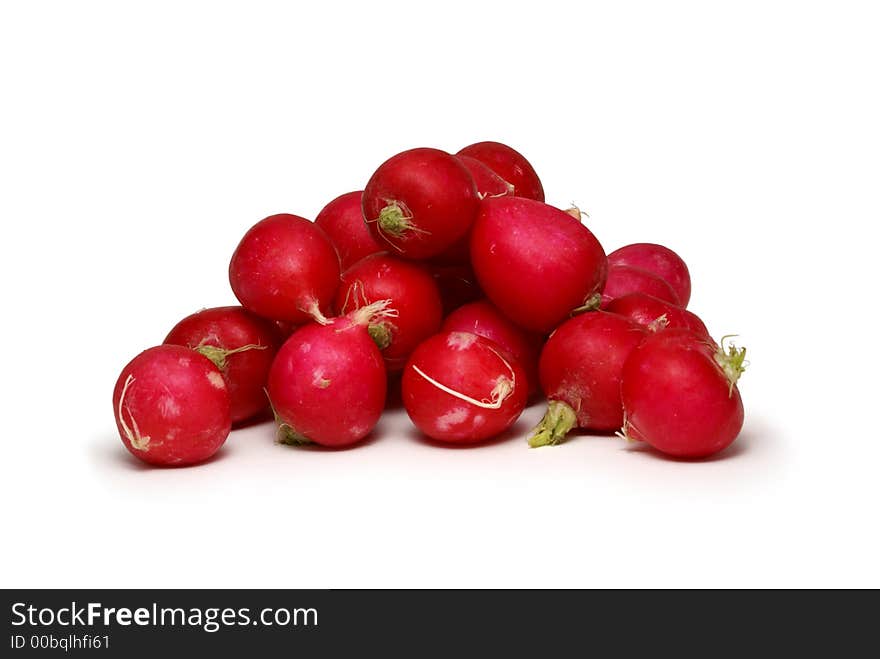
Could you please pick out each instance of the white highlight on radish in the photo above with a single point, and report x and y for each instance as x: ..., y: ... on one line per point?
x: 134, y: 436
x: 216, y: 380
x: 461, y: 340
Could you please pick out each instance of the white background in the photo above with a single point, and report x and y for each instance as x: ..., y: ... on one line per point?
x: 139, y: 142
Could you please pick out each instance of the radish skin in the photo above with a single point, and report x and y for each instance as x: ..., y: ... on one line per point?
x: 343, y: 222
x: 623, y: 280
x: 510, y: 165
x: 660, y: 261
x: 536, y: 263
x: 172, y: 407
x: 656, y: 314
x: 580, y: 371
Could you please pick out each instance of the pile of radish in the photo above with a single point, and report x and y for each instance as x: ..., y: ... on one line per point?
x: 449, y: 277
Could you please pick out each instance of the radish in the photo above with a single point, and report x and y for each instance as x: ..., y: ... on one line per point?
x: 327, y: 384
x: 623, y: 280
x: 656, y: 314
x: 580, y: 370
x: 536, y: 263
x: 420, y: 202
x: 457, y: 285
x: 171, y: 406
x: 657, y: 260
x: 411, y: 292
x: 488, y: 183
x: 510, y: 165
x: 343, y: 221
x: 285, y: 268
x: 680, y: 396
x: 482, y: 319
x: 459, y: 387
x: 241, y: 345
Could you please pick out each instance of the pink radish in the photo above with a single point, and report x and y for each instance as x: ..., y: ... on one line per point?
x: 510, y: 165
x: 536, y: 263
x: 657, y: 260
x: 656, y: 314
x: 483, y: 319
x: 241, y: 345
x: 580, y: 372
x: 623, y: 280
x: 343, y: 221
x: 420, y: 202
x: 171, y: 406
x: 328, y: 383
x: 285, y: 268
x: 680, y: 396
x: 459, y: 387
x: 411, y: 292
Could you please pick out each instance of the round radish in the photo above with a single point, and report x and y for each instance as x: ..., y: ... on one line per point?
x: 412, y: 294
x: 482, y: 319
x: 623, y: 280
x: 285, y: 268
x: 171, y: 406
x: 660, y: 261
x: 343, y: 221
x: 420, y: 202
x: 241, y: 345
x: 327, y: 384
x: 580, y: 370
x: 459, y: 387
x: 488, y: 183
x: 656, y: 314
x: 510, y: 165
x: 457, y: 285
x: 680, y: 396
x: 535, y: 263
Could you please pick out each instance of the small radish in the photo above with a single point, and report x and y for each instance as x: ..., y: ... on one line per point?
x: 411, y: 292
x: 459, y: 387
x: 510, y: 165
x: 536, y: 263
x: 457, y: 285
x: 580, y: 371
x: 623, y: 280
x: 660, y: 261
x: 171, y: 406
x: 488, y: 183
x: 420, y: 202
x: 241, y: 345
x: 680, y: 396
x: 285, y: 268
x: 482, y: 319
x: 343, y: 221
x: 656, y: 314
x: 328, y: 383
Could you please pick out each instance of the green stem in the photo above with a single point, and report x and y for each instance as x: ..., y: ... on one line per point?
x: 556, y: 424
x: 381, y: 334
x: 394, y: 220
x: 590, y: 304
x: 732, y: 361
x: 220, y: 355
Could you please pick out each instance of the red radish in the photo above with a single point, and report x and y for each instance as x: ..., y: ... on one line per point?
x: 623, y: 280
x: 285, y: 268
x: 171, y: 406
x: 412, y: 294
x: 656, y: 314
x: 510, y: 165
x: 657, y: 260
x: 680, y: 396
x: 420, y: 202
x: 457, y: 285
x: 580, y: 371
x: 482, y: 319
x: 328, y: 383
x: 343, y: 221
x: 459, y: 387
x: 535, y: 263
x: 241, y: 345
x: 488, y: 183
